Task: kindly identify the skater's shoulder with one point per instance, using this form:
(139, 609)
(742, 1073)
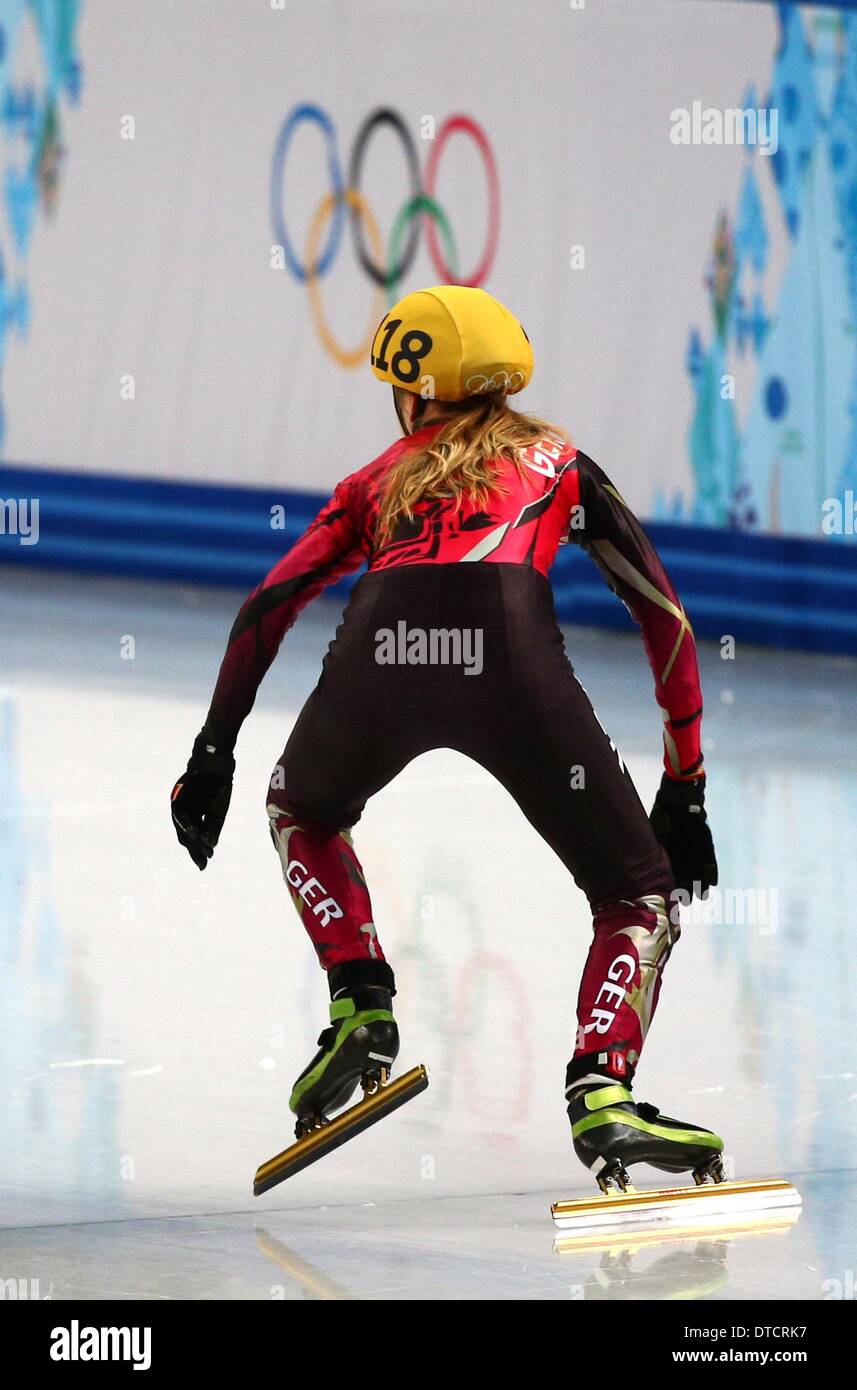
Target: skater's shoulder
(586, 468)
(581, 460)
(364, 477)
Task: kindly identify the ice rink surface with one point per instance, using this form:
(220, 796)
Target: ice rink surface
(153, 1018)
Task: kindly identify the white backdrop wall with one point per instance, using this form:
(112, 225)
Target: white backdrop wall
(157, 261)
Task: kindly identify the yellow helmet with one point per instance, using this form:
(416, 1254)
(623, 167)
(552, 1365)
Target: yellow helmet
(449, 342)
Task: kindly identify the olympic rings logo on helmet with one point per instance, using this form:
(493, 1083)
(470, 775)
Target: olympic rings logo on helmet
(508, 382)
(344, 202)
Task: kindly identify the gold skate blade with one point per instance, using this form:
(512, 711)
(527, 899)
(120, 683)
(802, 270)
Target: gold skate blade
(690, 1204)
(720, 1226)
(350, 1123)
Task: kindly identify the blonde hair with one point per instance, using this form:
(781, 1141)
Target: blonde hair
(463, 461)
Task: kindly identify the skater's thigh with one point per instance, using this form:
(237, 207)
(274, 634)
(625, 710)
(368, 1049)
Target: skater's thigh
(571, 783)
(343, 749)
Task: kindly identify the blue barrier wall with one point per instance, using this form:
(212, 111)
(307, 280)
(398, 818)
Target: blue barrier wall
(791, 593)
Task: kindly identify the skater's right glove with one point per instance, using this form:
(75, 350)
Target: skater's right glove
(200, 800)
(681, 825)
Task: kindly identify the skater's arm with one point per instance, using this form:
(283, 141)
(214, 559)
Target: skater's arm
(328, 549)
(631, 565)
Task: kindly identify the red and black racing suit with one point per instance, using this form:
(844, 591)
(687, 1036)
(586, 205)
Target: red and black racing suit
(461, 601)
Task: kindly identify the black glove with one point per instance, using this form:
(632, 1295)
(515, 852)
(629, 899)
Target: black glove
(200, 800)
(681, 825)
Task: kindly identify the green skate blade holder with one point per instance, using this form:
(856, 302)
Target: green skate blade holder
(320, 1142)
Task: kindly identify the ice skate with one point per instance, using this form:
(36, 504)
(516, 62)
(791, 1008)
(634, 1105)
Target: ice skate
(358, 1049)
(611, 1132)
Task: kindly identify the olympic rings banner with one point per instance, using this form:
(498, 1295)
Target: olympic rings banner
(385, 267)
(245, 187)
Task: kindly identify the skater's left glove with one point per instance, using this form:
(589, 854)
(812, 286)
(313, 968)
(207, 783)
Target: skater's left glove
(681, 825)
(200, 800)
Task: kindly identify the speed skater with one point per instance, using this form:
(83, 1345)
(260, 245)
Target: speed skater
(458, 523)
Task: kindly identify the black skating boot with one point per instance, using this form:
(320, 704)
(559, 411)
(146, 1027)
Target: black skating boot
(611, 1131)
(359, 1047)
